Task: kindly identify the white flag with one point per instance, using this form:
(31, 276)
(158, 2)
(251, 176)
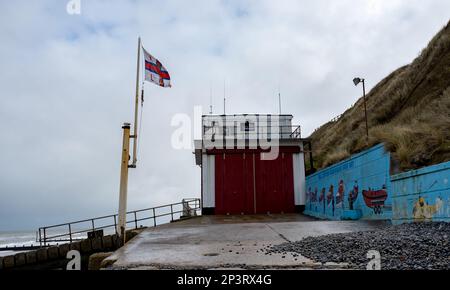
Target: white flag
(155, 72)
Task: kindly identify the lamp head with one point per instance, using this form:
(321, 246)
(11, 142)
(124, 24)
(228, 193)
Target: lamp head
(356, 81)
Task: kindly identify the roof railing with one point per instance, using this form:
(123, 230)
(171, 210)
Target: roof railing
(251, 132)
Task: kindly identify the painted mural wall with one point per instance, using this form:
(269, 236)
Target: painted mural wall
(361, 182)
(422, 195)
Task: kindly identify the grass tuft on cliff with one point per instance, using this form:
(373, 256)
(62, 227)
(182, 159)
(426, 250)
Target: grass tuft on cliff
(409, 111)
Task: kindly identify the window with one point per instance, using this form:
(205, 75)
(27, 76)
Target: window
(247, 127)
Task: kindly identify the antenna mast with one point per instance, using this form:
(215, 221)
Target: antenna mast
(279, 99)
(210, 100)
(224, 98)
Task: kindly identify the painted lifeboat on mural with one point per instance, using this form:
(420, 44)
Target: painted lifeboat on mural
(375, 198)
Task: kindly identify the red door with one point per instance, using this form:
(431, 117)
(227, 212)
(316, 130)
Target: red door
(234, 184)
(274, 185)
(245, 184)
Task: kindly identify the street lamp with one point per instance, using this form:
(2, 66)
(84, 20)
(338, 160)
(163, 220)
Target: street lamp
(356, 81)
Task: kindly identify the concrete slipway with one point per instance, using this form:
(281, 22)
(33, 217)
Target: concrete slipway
(227, 242)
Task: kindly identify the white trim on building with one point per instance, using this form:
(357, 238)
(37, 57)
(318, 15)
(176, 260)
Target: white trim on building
(208, 179)
(299, 178)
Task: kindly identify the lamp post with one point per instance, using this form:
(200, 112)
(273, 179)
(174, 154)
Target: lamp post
(356, 81)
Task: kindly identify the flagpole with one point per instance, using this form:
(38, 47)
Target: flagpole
(123, 188)
(136, 105)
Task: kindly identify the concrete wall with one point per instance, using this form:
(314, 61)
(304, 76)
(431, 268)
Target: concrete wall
(367, 173)
(54, 257)
(422, 195)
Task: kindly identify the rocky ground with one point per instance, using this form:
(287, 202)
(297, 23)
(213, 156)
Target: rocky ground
(404, 247)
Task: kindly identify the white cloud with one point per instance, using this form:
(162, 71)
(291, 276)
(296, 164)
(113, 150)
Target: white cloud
(67, 84)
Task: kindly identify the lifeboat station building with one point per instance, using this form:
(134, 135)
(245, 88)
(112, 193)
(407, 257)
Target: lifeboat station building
(251, 164)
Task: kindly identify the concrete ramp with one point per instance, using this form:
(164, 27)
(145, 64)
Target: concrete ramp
(227, 242)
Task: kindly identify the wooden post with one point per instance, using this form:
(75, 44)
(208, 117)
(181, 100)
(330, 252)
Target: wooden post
(121, 226)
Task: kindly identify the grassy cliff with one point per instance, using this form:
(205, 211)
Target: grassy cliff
(409, 111)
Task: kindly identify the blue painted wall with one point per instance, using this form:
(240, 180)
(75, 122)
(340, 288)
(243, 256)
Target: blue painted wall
(367, 173)
(422, 195)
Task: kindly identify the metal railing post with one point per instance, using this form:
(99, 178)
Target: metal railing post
(115, 224)
(171, 211)
(40, 238)
(154, 217)
(45, 238)
(93, 226)
(185, 204)
(135, 221)
(70, 233)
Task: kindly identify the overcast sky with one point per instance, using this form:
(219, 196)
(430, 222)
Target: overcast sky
(67, 85)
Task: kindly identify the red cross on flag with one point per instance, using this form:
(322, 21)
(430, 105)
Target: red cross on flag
(155, 72)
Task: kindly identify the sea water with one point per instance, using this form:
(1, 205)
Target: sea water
(16, 238)
(24, 238)
(29, 238)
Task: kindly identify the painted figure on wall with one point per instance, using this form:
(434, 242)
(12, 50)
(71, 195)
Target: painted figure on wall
(308, 198)
(311, 195)
(330, 198)
(330, 195)
(375, 199)
(322, 198)
(340, 194)
(422, 211)
(322, 195)
(353, 195)
(332, 206)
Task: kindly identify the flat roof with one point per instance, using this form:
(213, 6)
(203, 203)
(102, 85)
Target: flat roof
(249, 114)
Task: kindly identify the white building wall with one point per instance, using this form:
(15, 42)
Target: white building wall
(208, 179)
(299, 178)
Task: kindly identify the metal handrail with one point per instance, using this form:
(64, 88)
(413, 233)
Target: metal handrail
(190, 206)
(296, 134)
